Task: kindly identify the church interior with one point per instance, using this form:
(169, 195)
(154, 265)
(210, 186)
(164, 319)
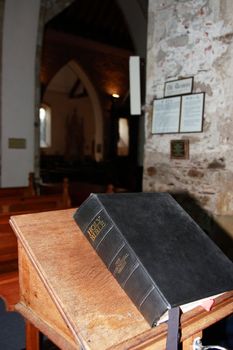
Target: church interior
(69, 128)
(73, 74)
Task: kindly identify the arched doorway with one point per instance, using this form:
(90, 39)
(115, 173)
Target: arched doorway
(108, 69)
(76, 115)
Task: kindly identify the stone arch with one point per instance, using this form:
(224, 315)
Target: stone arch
(97, 109)
(47, 12)
(74, 66)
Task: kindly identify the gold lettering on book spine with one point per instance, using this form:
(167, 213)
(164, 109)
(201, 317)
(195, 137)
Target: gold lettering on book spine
(120, 264)
(96, 227)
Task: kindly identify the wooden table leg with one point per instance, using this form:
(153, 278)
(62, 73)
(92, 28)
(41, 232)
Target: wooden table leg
(32, 337)
(188, 343)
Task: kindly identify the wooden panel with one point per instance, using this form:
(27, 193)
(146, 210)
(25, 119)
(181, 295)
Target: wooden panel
(45, 328)
(19, 205)
(66, 271)
(9, 289)
(192, 324)
(33, 204)
(188, 343)
(35, 297)
(32, 337)
(8, 241)
(96, 309)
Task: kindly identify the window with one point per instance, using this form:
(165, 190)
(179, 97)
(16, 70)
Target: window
(123, 141)
(45, 126)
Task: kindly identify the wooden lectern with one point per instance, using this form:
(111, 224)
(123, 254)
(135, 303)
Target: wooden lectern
(67, 293)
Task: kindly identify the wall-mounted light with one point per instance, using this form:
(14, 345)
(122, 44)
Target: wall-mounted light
(115, 95)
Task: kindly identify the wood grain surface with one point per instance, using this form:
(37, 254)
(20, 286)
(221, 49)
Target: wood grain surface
(68, 293)
(95, 308)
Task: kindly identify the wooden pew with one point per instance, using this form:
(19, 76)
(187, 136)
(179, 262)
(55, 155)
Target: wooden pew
(9, 289)
(8, 242)
(9, 283)
(19, 192)
(36, 203)
(16, 206)
(79, 191)
(8, 246)
(40, 203)
(47, 188)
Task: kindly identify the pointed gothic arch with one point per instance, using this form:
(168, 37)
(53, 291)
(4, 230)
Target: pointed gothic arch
(97, 109)
(47, 12)
(72, 81)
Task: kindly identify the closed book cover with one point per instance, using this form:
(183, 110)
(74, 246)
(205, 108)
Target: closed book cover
(155, 250)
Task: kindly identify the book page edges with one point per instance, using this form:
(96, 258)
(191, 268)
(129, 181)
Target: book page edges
(188, 307)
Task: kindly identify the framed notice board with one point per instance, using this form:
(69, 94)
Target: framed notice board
(178, 114)
(166, 115)
(192, 109)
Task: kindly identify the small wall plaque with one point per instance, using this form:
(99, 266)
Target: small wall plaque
(16, 143)
(179, 149)
(178, 87)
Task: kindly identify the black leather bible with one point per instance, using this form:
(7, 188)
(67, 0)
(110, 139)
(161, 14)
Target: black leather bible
(155, 250)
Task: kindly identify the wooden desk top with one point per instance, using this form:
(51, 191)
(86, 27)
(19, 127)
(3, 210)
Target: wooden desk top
(93, 305)
(96, 310)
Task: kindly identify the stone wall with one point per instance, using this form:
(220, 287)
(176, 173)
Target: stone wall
(193, 38)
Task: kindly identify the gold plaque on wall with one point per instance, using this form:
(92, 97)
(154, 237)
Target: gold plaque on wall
(179, 149)
(17, 143)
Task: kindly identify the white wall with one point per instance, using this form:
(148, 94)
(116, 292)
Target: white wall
(18, 89)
